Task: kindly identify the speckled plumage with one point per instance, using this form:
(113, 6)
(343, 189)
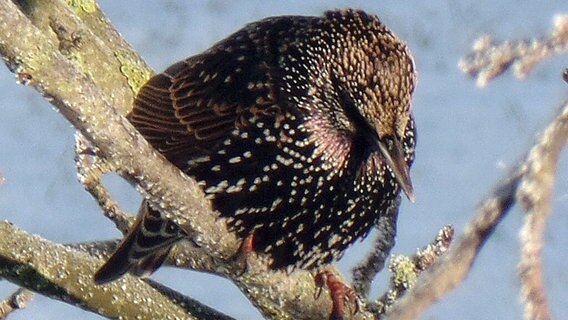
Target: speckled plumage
(298, 129)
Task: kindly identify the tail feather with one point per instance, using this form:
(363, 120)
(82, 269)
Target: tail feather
(143, 249)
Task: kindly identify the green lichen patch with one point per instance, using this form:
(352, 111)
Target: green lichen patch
(404, 273)
(80, 6)
(134, 71)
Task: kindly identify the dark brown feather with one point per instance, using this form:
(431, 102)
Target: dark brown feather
(188, 109)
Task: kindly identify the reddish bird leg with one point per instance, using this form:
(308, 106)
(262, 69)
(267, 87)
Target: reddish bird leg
(340, 293)
(245, 250)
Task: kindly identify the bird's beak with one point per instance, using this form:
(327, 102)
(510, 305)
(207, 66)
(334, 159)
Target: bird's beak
(394, 157)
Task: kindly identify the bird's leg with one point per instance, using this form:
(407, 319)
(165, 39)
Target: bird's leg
(340, 293)
(244, 252)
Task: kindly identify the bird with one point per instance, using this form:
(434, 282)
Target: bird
(298, 129)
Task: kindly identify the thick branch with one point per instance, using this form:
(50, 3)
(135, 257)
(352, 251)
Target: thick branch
(64, 273)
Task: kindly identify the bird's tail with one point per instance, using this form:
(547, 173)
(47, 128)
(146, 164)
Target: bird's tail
(143, 249)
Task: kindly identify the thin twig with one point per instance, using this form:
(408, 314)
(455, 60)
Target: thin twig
(364, 273)
(90, 170)
(405, 270)
(17, 300)
(490, 59)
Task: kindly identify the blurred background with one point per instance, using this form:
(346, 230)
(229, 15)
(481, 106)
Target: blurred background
(468, 138)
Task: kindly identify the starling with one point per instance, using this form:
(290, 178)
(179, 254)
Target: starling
(298, 129)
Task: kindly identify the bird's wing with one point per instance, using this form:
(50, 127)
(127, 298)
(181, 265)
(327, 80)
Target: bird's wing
(196, 103)
(184, 112)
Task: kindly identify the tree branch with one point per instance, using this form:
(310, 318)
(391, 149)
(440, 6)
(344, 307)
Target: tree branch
(65, 274)
(535, 194)
(405, 270)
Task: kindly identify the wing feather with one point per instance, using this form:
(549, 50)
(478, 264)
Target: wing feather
(196, 103)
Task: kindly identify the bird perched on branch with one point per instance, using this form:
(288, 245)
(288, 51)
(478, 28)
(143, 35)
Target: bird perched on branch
(298, 129)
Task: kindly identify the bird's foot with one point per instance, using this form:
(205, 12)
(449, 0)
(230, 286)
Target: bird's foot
(244, 252)
(340, 294)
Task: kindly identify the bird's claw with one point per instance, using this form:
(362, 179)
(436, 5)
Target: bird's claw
(340, 293)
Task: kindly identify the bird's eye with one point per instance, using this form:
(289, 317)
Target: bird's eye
(171, 227)
(389, 141)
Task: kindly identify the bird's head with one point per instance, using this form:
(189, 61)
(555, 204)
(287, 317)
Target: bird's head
(375, 77)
